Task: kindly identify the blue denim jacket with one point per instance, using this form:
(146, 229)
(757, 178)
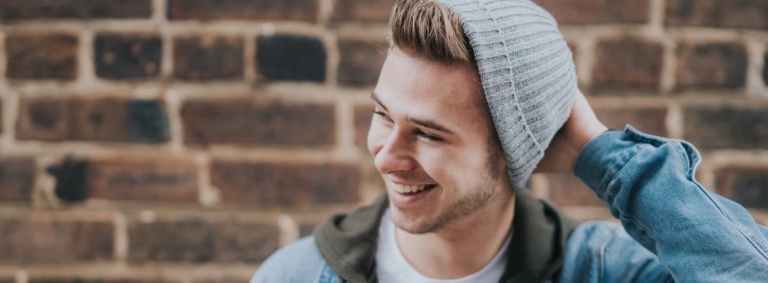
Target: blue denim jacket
(672, 229)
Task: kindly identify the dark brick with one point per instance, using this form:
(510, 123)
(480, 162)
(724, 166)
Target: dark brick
(258, 123)
(581, 12)
(361, 62)
(286, 184)
(17, 178)
(765, 69)
(363, 117)
(628, 62)
(651, 120)
(715, 13)
(291, 58)
(710, 65)
(727, 127)
(75, 9)
(127, 57)
(362, 10)
(745, 185)
(208, 57)
(71, 177)
(300, 10)
(197, 240)
(567, 190)
(44, 240)
(143, 180)
(41, 56)
(98, 119)
(148, 122)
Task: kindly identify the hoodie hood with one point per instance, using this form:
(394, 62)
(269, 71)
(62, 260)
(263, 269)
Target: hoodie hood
(348, 242)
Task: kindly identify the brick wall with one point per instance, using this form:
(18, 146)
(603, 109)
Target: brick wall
(184, 141)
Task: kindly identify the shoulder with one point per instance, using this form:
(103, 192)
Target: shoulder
(604, 251)
(298, 262)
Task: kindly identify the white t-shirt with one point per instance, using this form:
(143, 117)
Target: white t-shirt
(391, 266)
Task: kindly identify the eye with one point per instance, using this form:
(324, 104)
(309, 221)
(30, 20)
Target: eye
(382, 115)
(428, 136)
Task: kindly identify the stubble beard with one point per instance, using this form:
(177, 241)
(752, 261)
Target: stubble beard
(485, 191)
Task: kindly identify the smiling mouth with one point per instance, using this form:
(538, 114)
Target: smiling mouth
(414, 189)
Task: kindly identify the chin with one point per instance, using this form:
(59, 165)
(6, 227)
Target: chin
(413, 223)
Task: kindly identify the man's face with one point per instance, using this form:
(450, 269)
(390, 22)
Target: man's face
(430, 141)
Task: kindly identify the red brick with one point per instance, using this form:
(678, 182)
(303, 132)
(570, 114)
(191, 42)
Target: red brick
(17, 178)
(362, 10)
(127, 56)
(75, 9)
(300, 10)
(361, 62)
(28, 240)
(248, 122)
(208, 57)
(567, 190)
(91, 119)
(197, 240)
(143, 180)
(363, 117)
(36, 56)
(715, 13)
(713, 127)
(580, 12)
(284, 184)
(708, 65)
(628, 62)
(651, 120)
(47, 279)
(745, 185)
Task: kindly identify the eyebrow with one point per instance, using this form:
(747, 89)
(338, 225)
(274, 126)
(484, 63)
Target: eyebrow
(422, 122)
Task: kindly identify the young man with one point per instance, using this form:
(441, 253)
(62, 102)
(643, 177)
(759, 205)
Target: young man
(473, 97)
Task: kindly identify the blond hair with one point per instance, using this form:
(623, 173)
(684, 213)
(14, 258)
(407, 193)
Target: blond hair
(426, 29)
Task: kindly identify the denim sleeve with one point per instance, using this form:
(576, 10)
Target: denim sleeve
(648, 184)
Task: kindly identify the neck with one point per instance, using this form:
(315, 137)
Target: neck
(465, 247)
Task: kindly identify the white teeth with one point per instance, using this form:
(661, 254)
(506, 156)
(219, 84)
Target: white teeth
(405, 189)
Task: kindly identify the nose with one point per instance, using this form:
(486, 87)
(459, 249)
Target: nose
(396, 154)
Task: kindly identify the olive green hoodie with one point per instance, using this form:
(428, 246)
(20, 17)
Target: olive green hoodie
(348, 242)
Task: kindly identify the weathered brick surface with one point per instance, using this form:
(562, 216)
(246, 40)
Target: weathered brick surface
(291, 58)
(258, 123)
(41, 56)
(745, 185)
(29, 240)
(74, 9)
(651, 120)
(196, 240)
(362, 10)
(208, 57)
(301, 10)
(727, 127)
(143, 179)
(363, 118)
(579, 12)
(567, 190)
(714, 13)
(628, 62)
(126, 57)
(285, 184)
(361, 62)
(711, 65)
(17, 178)
(82, 119)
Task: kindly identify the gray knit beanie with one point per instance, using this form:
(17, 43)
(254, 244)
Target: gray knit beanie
(527, 73)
